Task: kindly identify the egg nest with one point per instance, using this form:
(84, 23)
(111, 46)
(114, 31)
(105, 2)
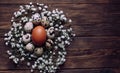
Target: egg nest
(47, 56)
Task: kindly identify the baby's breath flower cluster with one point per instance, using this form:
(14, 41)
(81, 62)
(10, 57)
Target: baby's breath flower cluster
(49, 56)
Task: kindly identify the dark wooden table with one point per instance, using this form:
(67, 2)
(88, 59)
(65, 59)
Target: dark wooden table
(96, 48)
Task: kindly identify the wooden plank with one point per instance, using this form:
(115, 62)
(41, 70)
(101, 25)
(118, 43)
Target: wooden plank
(114, 1)
(99, 29)
(85, 52)
(79, 13)
(84, 45)
(52, 1)
(96, 47)
(102, 70)
(88, 19)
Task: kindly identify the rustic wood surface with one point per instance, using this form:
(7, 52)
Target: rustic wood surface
(96, 23)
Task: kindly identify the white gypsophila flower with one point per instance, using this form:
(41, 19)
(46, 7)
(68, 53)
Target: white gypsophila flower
(51, 24)
(9, 53)
(22, 10)
(26, 12)
(39, 8)
(41, 4)
(24, 19)
(44, 9)
(32, 70)
(74, 35)
(70, 20)
(21, 7)
(18, 13)
(28, 63)
(30, 3)
(22, 59)
(45, 6)
(5, 34)
(33, 9)
(12, 20)
(30, 20)
(5, 39)
(18, 45)
(16, 24)
(12, 57)
(27, 6)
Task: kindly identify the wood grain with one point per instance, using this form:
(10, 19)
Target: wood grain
(95, 48)
(52, 1)
(88, 19)
(102, 70)
(86, 55)
(80, 13)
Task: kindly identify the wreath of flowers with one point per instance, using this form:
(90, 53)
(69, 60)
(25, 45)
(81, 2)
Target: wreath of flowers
(47, 57)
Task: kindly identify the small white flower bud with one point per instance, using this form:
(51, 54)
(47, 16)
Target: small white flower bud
(28, 63)
(70, 20)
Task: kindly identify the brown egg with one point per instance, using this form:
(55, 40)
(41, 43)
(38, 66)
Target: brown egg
(39, 35)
